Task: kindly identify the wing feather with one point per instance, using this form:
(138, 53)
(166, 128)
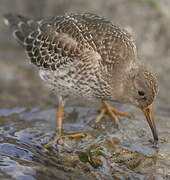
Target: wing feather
(58, 41)
(50, 49)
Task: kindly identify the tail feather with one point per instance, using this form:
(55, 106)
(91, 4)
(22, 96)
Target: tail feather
(21, 26)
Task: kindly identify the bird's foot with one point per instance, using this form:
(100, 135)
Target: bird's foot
(107, 109)
(61, 139)
(52, 142)
(59, 133)
(78, 135)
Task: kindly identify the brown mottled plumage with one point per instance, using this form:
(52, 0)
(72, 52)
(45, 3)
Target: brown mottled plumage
(86, 56)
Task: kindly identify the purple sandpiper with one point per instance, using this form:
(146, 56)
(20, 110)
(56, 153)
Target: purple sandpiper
(86, 56)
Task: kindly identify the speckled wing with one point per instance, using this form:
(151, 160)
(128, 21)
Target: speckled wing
(114, 44)
(57, 41)
(50, 49)
(64, 38)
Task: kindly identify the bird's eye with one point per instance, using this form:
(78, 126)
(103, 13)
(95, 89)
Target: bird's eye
(141, 93)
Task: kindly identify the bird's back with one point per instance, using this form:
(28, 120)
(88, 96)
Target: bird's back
(71, 37)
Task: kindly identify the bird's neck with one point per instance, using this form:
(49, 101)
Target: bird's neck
(121, 85)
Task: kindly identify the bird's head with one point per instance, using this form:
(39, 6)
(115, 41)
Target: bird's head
(143, 87)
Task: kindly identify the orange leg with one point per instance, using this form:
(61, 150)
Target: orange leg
(107, 109)
(60, 116)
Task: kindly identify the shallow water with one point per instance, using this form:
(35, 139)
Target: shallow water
(28, 121)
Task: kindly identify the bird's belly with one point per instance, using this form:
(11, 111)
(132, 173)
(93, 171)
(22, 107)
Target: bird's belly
(68, 86)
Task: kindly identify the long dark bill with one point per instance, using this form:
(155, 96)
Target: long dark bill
(148, 112)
